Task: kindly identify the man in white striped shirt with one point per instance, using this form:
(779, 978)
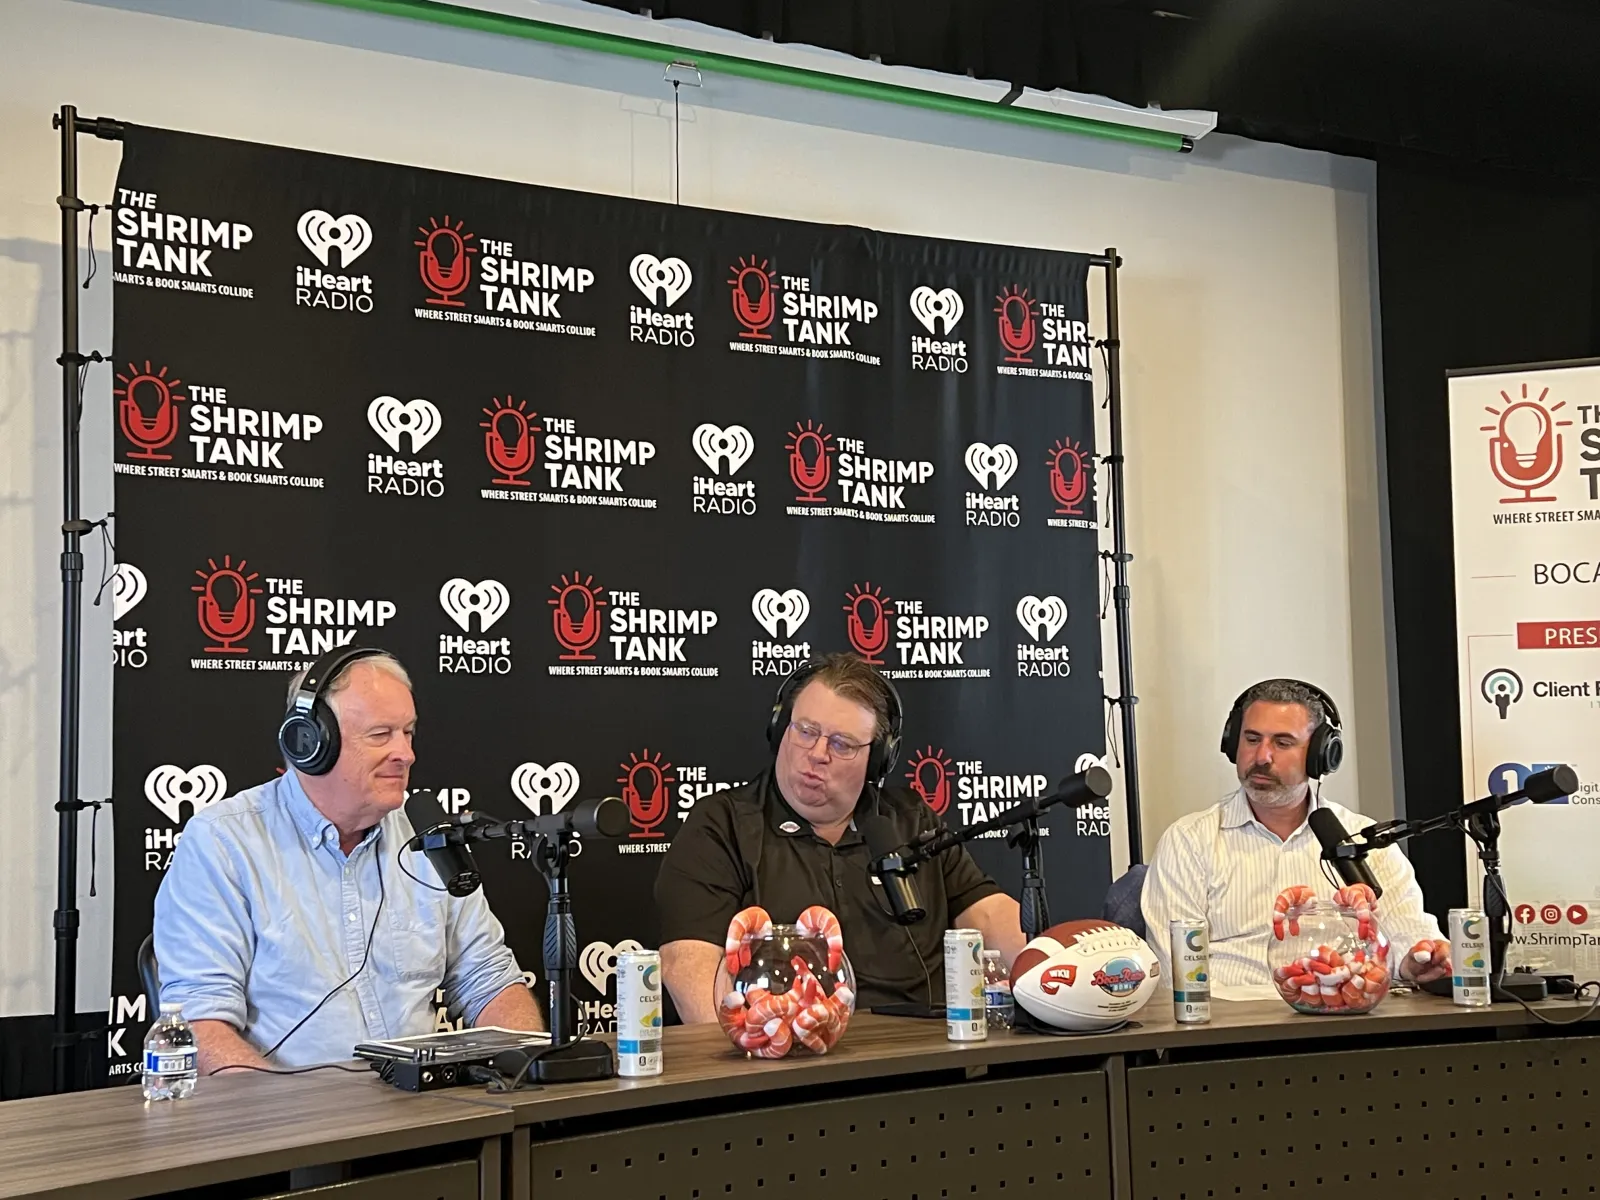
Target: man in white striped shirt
(1229, 862)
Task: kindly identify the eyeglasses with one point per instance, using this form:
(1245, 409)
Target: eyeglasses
(806, 735)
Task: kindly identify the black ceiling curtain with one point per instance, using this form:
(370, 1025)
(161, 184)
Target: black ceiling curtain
(1499, 82)
(1476, 268)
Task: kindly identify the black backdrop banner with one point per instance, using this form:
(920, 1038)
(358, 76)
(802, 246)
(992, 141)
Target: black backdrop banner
(601, 472)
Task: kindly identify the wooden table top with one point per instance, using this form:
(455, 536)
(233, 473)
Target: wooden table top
(701, 1065)
(109, 1144)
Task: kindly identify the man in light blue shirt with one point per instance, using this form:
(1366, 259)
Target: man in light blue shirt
(285, 925)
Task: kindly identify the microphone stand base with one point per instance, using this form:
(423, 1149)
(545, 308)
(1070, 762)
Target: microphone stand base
(577, 1061)
(1527, 986)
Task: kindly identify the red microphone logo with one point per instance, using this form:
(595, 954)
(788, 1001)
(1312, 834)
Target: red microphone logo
(929, 776)
(1069, 477)
(647, 782)
(445, 262)
(226, 607)
(509, 443)
(1525, 449)
(147, 410)
(752, 298)
(1019, 327)
(866, 621)
(810, 460)
(577, 603)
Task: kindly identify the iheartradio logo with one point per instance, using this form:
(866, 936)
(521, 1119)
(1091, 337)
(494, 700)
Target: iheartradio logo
(461, 598)
(392, 419)
(544, 790)
(128, 587)
(715, 445)
(777, 611)
(931, 307)
(992, 466)
(1042, 617)
(668, 278)
(169, 788)
(322, 233)
(598, 962)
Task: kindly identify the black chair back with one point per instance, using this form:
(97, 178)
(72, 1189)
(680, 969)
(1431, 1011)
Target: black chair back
(150, 974)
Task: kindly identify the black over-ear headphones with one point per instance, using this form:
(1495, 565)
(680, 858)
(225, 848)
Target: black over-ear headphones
(1325, 750)
(885, 752)
(308, 735)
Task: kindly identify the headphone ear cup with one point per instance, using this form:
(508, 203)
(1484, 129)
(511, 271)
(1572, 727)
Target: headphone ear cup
(890, 758)
(309, 742)
(1332, 750)
(1230, 735)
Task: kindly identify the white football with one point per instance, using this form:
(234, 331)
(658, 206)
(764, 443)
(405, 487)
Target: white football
(1085, 975)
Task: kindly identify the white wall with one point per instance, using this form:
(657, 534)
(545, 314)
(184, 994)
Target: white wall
(1248, 311)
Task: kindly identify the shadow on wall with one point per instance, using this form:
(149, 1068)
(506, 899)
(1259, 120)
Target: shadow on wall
(30, 624)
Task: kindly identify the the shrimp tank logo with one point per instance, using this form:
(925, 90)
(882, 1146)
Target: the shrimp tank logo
(1119, 977)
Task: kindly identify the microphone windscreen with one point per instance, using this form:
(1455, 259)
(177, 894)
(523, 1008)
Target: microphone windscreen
(606, 817)
(1330, 832)
(881, 838)
(1552, 784)
(1098, 781)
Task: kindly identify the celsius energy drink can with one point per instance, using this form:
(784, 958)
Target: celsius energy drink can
(639, 1012)
(1191, 970)
(964, 1018)
(1469, 957)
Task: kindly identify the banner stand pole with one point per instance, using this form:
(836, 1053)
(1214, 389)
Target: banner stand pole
(68, 805)
(1120, 558)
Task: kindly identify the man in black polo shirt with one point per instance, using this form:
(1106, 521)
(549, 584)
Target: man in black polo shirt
(788, 840)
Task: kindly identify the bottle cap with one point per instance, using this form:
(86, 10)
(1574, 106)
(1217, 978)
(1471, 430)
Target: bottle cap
(171, 1006)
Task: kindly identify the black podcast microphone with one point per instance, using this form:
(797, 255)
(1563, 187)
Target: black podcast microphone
(606, 817)
(1351, 869)
(1545, 786)
(899, 883)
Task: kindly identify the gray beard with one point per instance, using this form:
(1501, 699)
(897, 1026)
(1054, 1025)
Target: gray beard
(1274, 796)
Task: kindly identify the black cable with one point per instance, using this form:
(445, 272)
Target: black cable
(400, 862)
(677, 167)
(1499, 886)
(377, 860)
(108, 555)
(94, 259)
(927, 979)
(286, 1070)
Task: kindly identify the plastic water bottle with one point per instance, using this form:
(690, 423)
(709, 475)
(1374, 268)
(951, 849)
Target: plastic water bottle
(997, 1001)
(171, 1062)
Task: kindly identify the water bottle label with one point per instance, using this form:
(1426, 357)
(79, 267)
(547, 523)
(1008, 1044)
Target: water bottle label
(171, 1062)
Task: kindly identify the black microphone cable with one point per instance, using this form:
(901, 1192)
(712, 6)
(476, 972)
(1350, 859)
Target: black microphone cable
(377, 861)
(883, 907)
